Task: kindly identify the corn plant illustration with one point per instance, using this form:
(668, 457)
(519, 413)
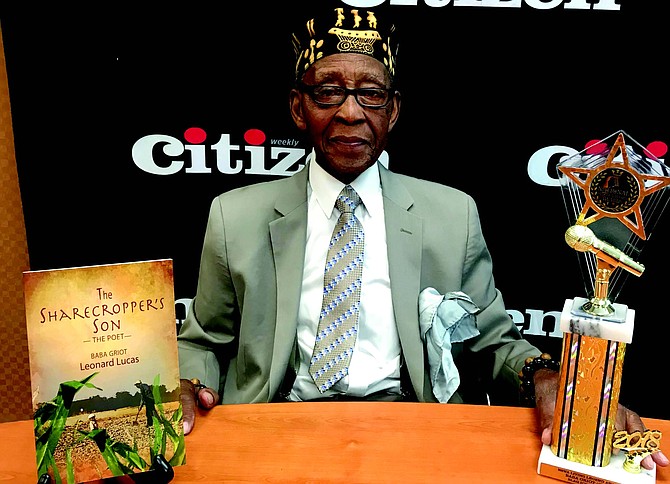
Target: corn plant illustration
(121, 458)
(164, 428)
(49, 422)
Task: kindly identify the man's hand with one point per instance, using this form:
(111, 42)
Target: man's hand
(546, 389)
(193, 396)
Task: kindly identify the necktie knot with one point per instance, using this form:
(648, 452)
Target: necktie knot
(348, 200)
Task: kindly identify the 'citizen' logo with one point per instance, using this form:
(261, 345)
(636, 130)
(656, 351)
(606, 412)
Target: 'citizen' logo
(161, 154)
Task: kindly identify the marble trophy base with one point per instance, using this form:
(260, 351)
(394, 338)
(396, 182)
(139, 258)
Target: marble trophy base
(550, 465)
(616, 327)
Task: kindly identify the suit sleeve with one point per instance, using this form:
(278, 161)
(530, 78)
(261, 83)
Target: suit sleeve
(209, 331)
(500, 344)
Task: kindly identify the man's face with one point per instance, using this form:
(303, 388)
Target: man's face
(347, 138)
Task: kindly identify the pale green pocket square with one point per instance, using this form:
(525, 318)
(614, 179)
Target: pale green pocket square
(445, 319)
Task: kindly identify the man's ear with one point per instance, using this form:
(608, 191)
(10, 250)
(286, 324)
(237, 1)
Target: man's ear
(295, 105)
(395, 106)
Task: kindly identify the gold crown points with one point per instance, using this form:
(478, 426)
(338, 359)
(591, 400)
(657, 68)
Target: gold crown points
(389, 61)
(356, 18)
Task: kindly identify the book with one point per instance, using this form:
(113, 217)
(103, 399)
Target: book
(104, 369)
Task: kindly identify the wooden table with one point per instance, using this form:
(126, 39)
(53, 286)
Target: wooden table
(381, 442)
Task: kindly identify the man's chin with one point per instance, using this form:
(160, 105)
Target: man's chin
(350, 167)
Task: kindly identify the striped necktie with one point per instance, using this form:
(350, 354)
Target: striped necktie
(338, 320)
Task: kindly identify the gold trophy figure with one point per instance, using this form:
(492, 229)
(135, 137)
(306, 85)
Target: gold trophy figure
(582, 239)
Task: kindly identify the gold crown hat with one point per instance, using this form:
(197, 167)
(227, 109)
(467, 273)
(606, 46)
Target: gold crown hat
(345, 30)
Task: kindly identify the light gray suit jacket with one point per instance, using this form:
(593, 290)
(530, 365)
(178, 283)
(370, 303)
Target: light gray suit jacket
(240, 331)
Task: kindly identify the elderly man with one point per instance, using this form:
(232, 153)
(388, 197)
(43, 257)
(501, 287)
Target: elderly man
(270, 323)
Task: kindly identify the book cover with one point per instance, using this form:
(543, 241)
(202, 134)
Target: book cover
(104, 369)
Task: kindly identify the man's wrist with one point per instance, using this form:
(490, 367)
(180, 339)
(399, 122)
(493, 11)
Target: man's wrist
(527, 375)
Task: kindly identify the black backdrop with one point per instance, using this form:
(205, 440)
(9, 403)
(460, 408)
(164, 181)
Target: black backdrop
(486, 89)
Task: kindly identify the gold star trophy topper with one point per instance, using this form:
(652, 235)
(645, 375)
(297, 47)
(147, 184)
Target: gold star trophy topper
(615, 189)
(614, 196)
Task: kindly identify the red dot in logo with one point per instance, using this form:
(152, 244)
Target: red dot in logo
(195, 135)
(657, 149)
(254, 137)
(594, 147)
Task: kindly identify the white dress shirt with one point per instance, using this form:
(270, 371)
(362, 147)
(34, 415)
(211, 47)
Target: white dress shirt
(375, 364)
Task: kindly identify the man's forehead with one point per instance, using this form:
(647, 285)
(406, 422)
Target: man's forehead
(352, 66)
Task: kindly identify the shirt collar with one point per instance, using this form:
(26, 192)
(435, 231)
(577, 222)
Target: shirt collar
(326, 188)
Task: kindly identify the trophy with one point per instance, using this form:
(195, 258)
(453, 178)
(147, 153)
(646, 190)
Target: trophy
(614, 193)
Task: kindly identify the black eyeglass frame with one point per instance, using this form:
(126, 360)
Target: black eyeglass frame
(309, 89)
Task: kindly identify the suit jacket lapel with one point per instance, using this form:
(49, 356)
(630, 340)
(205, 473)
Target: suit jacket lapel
(404, 241)
(288, 233)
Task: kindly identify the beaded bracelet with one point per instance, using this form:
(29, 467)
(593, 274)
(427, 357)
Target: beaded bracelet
(527, 373)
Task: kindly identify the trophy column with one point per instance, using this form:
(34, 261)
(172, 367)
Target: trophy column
(592, 359)
(586, 407)
(595, 334)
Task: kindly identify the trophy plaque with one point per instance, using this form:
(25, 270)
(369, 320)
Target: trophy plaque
(614, 193)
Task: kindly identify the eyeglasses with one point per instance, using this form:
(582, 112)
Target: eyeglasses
(328, 96)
